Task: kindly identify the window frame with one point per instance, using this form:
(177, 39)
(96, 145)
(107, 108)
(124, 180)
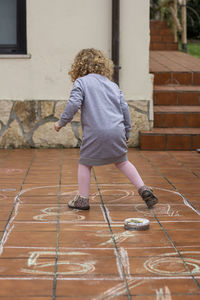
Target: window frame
(21, 46)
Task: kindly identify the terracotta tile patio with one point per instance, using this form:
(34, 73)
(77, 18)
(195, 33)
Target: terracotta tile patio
(48, 251)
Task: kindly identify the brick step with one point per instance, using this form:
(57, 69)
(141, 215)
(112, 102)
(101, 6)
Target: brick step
(176, 95)
(161, 31)
(176, 77)
(177, 116)
(162, 46)
(170, 139)
(158, 24)
(162, 38)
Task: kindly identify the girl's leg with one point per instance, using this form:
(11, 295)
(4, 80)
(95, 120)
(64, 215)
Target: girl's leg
(84, 173)
(145, 192)
(128, 169)
(81, 201)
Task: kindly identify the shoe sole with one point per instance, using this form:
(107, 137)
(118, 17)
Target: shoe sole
(81, 208)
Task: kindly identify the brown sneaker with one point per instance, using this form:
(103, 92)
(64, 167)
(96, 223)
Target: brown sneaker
(79, 202)
(148, 196)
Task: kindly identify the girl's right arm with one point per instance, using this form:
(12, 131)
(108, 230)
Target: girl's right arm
(73, 105)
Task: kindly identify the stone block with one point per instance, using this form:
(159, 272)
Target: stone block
(139, 120)
(59, 108)
(46, 136)
(27, 113)
(13, 137)
(47, 108)
(5, 110)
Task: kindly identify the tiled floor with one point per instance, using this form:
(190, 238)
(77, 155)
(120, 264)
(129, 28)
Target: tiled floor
(173, 61)
(51, 252)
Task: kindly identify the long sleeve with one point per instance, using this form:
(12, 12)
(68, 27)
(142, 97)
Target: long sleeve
(126, 114)
(73, 105)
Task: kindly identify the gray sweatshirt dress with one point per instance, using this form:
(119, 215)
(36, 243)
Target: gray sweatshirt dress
(105, 119)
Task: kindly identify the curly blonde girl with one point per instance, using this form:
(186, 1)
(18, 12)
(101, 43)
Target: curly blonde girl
(91, 61)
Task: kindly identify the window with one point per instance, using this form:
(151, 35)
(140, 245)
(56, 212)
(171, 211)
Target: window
(12, 26)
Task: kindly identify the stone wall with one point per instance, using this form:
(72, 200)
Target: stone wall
(25, 124)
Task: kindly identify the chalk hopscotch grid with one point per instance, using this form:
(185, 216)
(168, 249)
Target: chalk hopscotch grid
(100, 223)
(132, 281)
(58, 229)
(187, 203)
(107, 213)
(119, 262)
(14, 211)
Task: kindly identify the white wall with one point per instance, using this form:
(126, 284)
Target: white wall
(57, 30)
(135, 80)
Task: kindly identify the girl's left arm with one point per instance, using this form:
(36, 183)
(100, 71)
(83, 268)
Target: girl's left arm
(126, 114)
(73, 105)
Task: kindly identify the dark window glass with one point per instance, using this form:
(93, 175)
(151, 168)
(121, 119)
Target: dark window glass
(12, 26)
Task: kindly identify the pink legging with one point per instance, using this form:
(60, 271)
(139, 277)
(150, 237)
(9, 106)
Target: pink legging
(127, 168)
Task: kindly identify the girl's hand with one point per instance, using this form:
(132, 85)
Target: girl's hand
(57, 127)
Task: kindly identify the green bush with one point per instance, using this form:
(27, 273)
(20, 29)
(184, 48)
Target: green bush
(193, 19)
(159, 9)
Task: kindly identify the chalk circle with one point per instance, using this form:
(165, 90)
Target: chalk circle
(2, 197)
(136, 224)
(38, 266)
(113, 195)
(169, 264)
(159, 209)
(68, 268)
(50, 213)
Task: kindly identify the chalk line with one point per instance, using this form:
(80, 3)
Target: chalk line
(125, 261)
(106, 218)
(9, 227)
(163, 294)
(118, 263)
(97, 248)
(86, 278)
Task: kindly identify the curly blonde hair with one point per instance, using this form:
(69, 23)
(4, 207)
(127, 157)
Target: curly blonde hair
(91, 61)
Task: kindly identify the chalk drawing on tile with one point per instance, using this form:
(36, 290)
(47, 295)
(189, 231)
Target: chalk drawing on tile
(106, 213)
(50, 213)
(9, 227)
(160, 209)
(116, 192)
(71, 193)
(37, 266)
(119, 237)
(8, 190)
(170, 264)
(119, 289)
(10, 171)
(163, 294)
(125, 261)
(185, 201)
(3, 197)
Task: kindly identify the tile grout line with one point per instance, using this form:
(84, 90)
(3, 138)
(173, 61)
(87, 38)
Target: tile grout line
(16, 201)
(183, 165)
(113, 238)
(159, 172)
(164, 230)
(185, 200)
(58, 230)
(175, 248)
